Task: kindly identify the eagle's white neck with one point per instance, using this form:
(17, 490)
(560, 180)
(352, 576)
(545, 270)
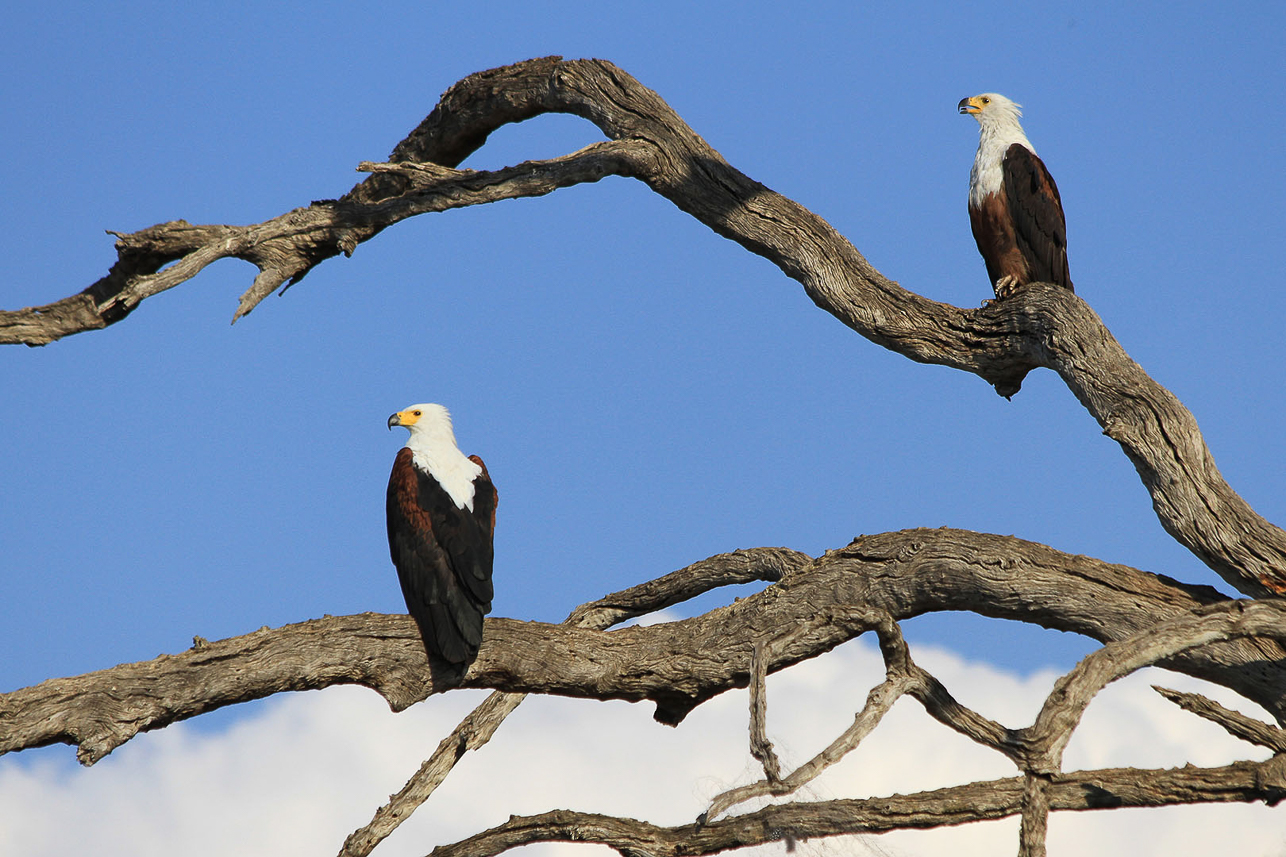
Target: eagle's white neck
(999, 132)
(433, 449)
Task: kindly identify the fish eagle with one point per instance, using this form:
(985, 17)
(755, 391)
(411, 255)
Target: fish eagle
(1014, 207)
(441, 520)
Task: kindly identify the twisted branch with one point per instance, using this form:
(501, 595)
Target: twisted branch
(866, 586)
(903, 574)
(1038, 327)
(1036, 750)
(983, 801)
(480, 724)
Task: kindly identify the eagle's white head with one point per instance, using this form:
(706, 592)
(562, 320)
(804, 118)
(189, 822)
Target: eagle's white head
(998, 116)
(424, 420)
(990, 107)
(433, 449)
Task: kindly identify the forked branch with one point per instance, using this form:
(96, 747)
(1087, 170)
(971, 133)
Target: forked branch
(1241, 782)
(477, 728)
(903, 574)
(1036, 750)
(869, 585)
(1038, 327)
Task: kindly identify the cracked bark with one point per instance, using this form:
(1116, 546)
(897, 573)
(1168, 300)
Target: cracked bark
(1038, 327)
(906, 574)
(820, 603)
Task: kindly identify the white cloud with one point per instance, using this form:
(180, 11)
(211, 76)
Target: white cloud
(302, 771)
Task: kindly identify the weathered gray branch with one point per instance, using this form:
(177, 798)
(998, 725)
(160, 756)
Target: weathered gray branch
(1234, 722)
(903, 574)
(1036, 805)
(100, 711)
(473, 732)
(1082, 790)
(866, 586)
(760, 747)
(477, 728)
(1045, 739)
(1036, 750)
(1039, 327)
(900, 677)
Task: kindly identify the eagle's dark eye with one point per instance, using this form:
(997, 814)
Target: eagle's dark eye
(986, 101)
(419, 413)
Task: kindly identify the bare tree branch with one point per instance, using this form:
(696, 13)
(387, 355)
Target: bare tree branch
(903, 574)
(1084, 790)
(813, 605)
(1037, 750)
(760, 747)
(1039, 327)
(473, 732)
(1034, 829)
(480, 724)
(100, 711)
(899, 678)
(1235, 723)
(1048, 736)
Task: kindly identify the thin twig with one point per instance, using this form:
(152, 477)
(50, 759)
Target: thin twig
(878, 702)
(760, 746)
(480, 724)
(474, 731)
(1237, 724)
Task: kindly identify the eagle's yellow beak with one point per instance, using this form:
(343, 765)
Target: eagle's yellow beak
(970, 105)
(406, 418)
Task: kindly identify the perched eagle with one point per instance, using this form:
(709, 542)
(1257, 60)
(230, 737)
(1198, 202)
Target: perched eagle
(441, 519)
(1014, 207)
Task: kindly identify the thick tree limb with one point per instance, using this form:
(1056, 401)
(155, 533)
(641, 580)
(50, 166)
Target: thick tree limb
(1036, 750)
(480, 724)
(1038, 327)
(1034, 828)
(1083, 790)
(1045, 739)
(100, 711)
(903, 574)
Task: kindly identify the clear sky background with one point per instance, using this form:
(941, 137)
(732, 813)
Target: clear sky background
(645, 393)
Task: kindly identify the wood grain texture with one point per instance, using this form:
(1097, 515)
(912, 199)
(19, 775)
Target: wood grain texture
(1084, 790)
(1039, 326)
(812, 604)
(821, 603)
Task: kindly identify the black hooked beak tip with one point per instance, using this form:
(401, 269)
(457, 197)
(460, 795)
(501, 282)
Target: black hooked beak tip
(393, 421)
(963, 106)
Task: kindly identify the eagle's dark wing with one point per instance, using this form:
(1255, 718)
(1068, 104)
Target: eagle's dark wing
(1037, 211)
(443, 555)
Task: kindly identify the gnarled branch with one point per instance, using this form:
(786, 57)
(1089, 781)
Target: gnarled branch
(481, 723)
(1039, 327)
(866, 586)
(1083, 790)
(903, 574)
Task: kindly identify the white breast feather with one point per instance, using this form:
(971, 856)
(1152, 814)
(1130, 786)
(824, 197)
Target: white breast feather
(987, 174)
(437, 454)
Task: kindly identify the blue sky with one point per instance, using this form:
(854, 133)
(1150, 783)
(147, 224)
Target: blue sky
(645, 393)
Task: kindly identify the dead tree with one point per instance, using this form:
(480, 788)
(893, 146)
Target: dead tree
(811, 604)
